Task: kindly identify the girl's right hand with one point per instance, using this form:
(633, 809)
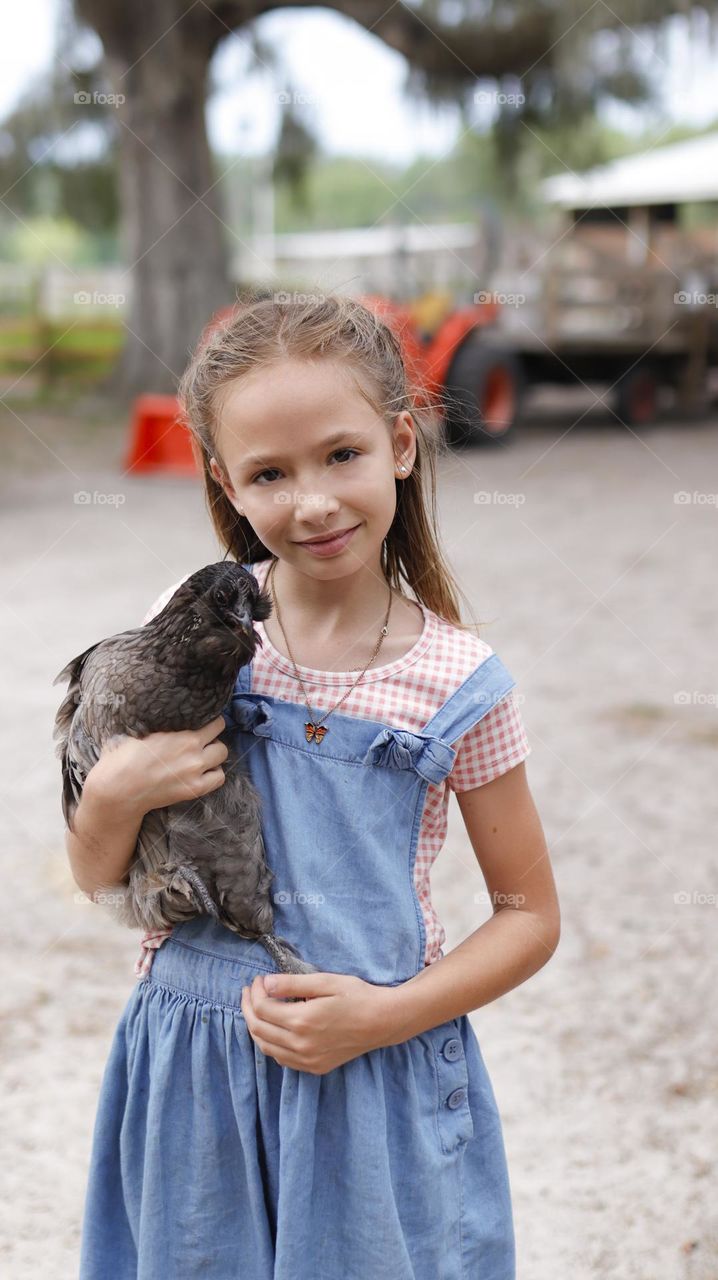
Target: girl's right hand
(140, 774)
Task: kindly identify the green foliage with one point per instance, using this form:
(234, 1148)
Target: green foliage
(58, 354)
(43, 176)
(345, 191)
(43, 240)
(340, 192)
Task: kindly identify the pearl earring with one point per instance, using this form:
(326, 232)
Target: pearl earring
(402, 468)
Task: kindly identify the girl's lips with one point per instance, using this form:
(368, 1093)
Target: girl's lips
(330, 547)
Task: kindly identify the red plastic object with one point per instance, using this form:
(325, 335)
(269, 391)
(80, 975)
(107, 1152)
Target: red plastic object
(158, 440)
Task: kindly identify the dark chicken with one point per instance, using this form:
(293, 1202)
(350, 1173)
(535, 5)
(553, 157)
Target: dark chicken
(199, 856)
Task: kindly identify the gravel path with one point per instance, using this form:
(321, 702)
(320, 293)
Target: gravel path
(597, 589)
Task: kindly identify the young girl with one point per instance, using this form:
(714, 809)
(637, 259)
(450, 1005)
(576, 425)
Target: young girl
(350, 1132)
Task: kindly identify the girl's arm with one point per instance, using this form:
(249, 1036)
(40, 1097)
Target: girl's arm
(102, 844)
(522, 934)
(132, 776)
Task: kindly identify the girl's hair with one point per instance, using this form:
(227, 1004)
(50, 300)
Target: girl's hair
(262, 330)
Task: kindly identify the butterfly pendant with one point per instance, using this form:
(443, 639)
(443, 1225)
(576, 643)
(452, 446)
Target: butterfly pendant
(314, 731)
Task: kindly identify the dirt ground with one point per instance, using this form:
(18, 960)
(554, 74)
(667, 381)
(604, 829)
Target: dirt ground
(597, 588)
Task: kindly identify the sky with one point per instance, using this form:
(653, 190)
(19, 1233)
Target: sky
(347, 80)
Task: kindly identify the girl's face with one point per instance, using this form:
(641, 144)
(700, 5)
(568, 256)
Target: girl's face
(305, 454)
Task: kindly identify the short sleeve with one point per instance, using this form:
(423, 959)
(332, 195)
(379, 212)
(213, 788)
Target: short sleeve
(161, 601)
(497, 743)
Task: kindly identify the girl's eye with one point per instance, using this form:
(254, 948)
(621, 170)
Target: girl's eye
(271, 469)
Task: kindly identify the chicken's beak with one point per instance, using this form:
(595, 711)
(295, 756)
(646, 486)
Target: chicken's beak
(241, 619)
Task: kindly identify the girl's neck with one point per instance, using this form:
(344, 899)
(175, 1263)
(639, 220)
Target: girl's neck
(335, 606)
(343, 641)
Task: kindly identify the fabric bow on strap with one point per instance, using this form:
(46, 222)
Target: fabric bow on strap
(430, 757)
(252, 716)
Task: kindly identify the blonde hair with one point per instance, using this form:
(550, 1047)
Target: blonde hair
(261, 330)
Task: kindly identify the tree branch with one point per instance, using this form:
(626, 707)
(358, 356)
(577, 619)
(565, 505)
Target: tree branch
(462, 52)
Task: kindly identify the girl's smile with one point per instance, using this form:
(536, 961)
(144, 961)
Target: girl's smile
(329, 546)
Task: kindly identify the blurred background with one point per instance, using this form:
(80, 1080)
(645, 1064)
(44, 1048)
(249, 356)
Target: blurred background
(528, 192)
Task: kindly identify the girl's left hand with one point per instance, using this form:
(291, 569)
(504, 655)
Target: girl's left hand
(343, 1017)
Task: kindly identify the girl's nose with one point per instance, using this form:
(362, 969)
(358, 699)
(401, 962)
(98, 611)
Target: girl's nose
(310, 505)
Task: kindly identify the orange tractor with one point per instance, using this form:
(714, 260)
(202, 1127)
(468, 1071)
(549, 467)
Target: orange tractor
(455, 355)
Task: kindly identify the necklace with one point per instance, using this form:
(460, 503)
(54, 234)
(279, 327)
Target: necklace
(316, 729)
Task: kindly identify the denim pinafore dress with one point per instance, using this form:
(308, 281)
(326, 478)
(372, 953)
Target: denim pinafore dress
(211, 1160)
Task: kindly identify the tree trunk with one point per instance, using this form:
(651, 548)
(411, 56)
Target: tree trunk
(173, 239)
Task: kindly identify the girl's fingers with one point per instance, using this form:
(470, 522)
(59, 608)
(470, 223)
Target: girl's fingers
(274, 1036)
(275, 1011)
(210, 731)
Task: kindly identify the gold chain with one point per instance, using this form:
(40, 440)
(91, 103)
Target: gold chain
(314, 729)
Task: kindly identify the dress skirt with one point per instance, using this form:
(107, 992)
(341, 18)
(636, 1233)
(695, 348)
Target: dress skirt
(211, 1160)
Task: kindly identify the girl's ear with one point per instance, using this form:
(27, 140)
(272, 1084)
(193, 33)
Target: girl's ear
(222, 480)
(405, 439)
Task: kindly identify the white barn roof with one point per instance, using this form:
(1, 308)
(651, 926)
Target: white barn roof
(661, 175)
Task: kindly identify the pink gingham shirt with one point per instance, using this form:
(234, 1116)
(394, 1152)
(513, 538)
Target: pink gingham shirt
(405, 693)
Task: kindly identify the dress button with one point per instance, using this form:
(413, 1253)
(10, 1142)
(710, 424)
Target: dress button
(456, 1098)
(452, 1050)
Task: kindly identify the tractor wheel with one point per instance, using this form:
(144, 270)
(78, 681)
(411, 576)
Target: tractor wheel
(482, 392)
(636, 400)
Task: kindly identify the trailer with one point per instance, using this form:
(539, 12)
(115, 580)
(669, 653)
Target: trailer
(625, 295)
(622, 295)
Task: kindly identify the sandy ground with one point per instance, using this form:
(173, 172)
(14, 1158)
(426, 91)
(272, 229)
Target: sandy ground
(598, 590)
